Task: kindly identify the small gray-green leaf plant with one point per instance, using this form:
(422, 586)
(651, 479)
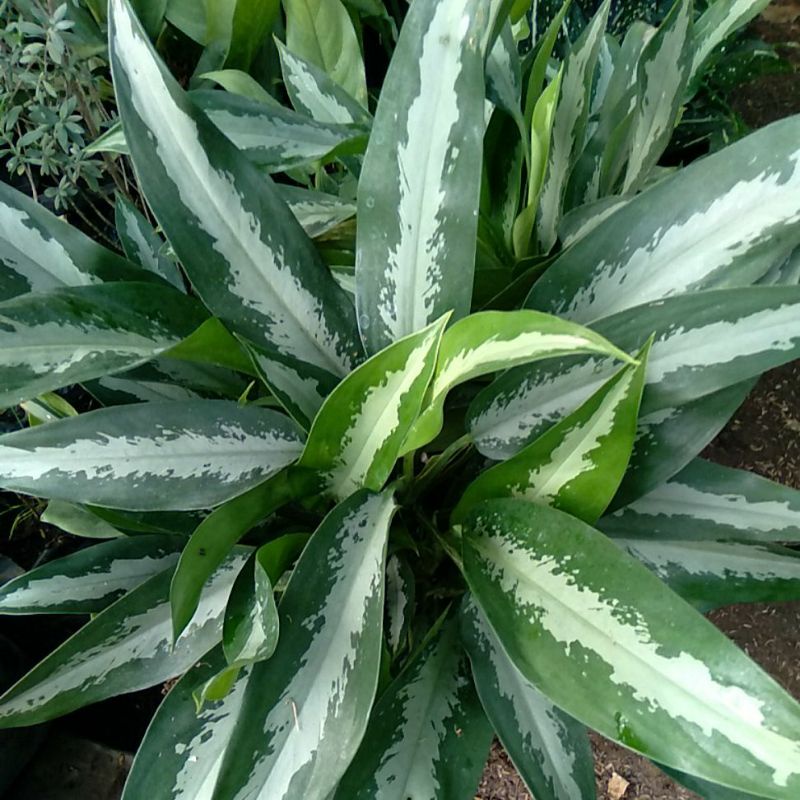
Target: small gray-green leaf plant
(401, 404)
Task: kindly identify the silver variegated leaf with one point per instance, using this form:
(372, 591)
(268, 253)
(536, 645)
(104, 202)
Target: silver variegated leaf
(419, 187)
(549, 749)
(153, 456)
(316, 212)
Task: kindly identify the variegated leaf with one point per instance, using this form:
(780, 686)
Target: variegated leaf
(357, 436)
(322, 32)
(704, 342)
(606, 641)
(400, 596)
(708, 501)
(141, 243)
(662, 73)
(78, 521)
(427, 736)
(710, 574)
(728, 232)
(504, 78)
(182, 750)
(89, 580)
(67, 335)
(576, 465)
(268, 283)
(153, 456)
(490, 341)
(419, 188)
(123, 649)
(39, 252)
(549, 749)
(276, 138)
(569, 125)
(305, 710)
(314, 93)
(317, 212)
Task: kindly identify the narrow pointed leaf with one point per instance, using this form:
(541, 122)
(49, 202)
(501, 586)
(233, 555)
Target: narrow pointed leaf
(420, 184)
(238, 82)
(39, 252)
(152, 456)
(609, 643)
(78, 521)
(314, 93)
(549, 749)
(74, 334)
(317, 212)
(727, 233)
(141, 244)
(357, 435)
(708, 501)
(250, 27)
(123, 649)
(400, 595)
(182, 749)
(267, 282)
(576, 465)
(427, 736)
(89, 580)
(305, 710)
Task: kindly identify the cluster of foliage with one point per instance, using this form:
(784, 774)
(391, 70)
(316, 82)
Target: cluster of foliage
(375, 492)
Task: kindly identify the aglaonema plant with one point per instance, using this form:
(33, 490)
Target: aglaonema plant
(366, 517)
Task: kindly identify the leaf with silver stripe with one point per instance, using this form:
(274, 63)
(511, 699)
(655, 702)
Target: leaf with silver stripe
(578, 464)
(317, 212)
(605, 640)
(267, 282)
(141, 243)
(420, 184)
(305, 710)
(86, 582)
(72, 334)
(715, 228)
(357, 436)
(153, 456)
(123, 649)
(400, 599)
(428, 736)
(549, 749)
(39, 251)
(314, 93)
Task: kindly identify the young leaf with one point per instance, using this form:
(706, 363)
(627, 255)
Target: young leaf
(268, 283)
(317, 212)
(305, 710)
(123, 649)
(609, 643)
(420, 183)
(356, 437)
(89, 580)
(250, 27)
(427, 736)
(549, 749)
(153, 456)
(576, 465)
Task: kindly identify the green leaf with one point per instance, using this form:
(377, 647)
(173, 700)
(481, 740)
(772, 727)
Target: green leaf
(189, 17)
(314, 93)
(662, 73)
(141, 244)
(252, 22)
(317, 212)
(420, 184)
(182, 749)
(578, 464)
(427, 736)
(111, 141)
(266, 282)
(489, 341)
(549, 749)
(322, 32)
(276, 138)
(154, 456)
(242, 84)
(218, 533)
(125, 648)
(400, 597)
(89, 580)
(715, 227)
(210, 344)
(150, 14)
(569, 125)
(78, 521)
(711, 574)
(49, 340)
(305, 710)
(356, 437)
(39, 252)
(504, 78)
(605, 640)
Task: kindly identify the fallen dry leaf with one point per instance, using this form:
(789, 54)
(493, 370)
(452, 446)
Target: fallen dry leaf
(617, 786)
